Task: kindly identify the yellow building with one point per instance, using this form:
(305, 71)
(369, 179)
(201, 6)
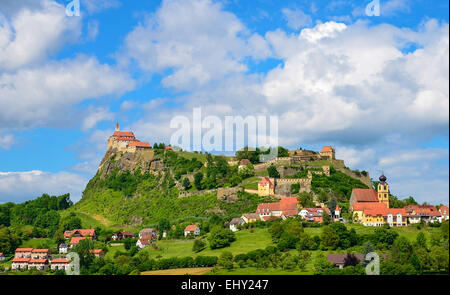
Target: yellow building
(266, 187)
(250, 217)
(383, 191)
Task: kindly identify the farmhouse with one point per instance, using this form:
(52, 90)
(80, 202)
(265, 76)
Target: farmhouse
(122, 235)
(425, 213)
(192, 229)
(313, 214)
(80, 233)
(286, 207)
(339, 259)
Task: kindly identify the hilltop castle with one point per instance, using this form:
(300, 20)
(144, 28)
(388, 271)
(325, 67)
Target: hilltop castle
(125, 141)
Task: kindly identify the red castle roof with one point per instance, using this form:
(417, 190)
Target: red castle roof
(265, 181)
(140, 144)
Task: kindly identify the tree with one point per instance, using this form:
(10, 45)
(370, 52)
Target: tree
(306, 200)
(421, 240)
(330, 238)
(83, 249)
(368, 248)
(273, 172)
(326, 218)
(226, 260)
(199, 245)
(220, 238)
(198, 177)
(332, 205)
(186, 183)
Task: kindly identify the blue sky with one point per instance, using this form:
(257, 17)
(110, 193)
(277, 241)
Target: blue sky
(374, 87)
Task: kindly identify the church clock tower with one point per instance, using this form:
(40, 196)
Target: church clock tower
(383, 191)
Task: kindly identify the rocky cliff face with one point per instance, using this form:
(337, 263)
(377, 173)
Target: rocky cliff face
(145, 160)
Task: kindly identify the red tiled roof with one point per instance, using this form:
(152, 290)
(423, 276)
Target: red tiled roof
(268, 207)
(123, 134)
(21, 260)
(60, 260)
(140, 144)
(24, 249)
(97, 251)
(444, 210)
(168, 147)
(365, 195)
(326, 148)
(83, 232)
(265, 181)
(368, 205)
(191, 227)
(385, 211)
(1, 253)
(76, 240)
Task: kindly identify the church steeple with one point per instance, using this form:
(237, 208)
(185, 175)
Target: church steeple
(117, 127)
(383, 190)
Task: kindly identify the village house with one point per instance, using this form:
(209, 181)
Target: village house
(2, 257)
(313, 214)
(39, 264)
(425, 213)
(266, 187)
(235, 222)
(391, 216)
(444, 212)
(339, 259)
(192, 229)
(122, 235)
(80, 233)
(146, 236)
(75, 240)
(286, 207)
(359, 207)
(250, 217)
(98, 253)
(60, 263)
(337, 212)
(40, 253)
(20, 263)
(63, 248)
(23, 253)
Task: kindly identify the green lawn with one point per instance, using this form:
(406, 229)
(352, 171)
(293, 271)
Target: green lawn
(260, 271)
(43, 243)
(245, 241)
(252, 185)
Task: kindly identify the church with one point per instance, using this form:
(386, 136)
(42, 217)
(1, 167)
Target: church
(125, 141)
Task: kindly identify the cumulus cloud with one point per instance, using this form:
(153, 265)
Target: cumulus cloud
(44, 96)
(96, 115)
(32, 35)
(199, 41)
(22, 186)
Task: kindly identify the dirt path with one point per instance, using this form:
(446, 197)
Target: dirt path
(179, 271)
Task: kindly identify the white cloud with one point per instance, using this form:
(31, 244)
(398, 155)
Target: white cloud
(6, 141)
(392, 7)
(45, 96)
(92, 30)
(296, 18)
(96, 115)
(22, 186)
(199, 41)
(33, 35)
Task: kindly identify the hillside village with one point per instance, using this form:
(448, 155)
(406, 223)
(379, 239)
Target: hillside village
(289, 186)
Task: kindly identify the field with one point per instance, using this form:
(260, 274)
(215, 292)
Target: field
(245, 241)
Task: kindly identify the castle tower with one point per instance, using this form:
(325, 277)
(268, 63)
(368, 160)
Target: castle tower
(117, 127)
(383, 190)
